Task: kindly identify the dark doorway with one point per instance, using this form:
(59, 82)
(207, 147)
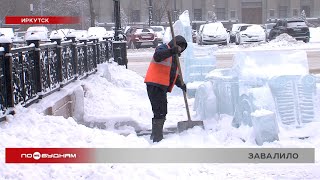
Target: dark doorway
(252, 15)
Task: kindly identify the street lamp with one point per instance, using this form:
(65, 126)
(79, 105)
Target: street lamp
(150, 12)
(175, 13)
(31, 9)
(41, 7)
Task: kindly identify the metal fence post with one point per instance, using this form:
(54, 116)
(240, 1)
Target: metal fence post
(59, 58)
(85, 54)
(9, 97)
(107, 48)
(33, 39)
(74, 54)
(95, 54)
(120, 52)
(98, 46)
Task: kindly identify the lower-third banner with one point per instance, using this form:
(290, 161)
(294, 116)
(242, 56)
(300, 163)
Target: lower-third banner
(164, 155)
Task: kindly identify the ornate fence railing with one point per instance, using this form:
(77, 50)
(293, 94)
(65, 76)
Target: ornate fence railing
(30, 73)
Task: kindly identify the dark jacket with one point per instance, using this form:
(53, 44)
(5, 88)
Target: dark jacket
(162, 52)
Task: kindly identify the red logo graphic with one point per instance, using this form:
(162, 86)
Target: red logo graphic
(49, 155)
(42, 20)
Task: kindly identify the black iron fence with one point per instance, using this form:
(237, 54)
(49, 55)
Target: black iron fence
(29, 73)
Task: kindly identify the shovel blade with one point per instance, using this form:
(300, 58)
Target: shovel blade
(184, 125)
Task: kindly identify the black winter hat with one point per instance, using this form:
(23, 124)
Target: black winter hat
(181, 41)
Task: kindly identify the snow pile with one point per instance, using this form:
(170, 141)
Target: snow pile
(118, 90)
(284, 40)
(314, 34)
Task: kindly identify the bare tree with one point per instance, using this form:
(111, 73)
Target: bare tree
(7, 8)
(63, 8)
(124, 18)
(160, 8)
(92, 14)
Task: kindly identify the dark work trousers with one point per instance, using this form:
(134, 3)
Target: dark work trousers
(158, 99)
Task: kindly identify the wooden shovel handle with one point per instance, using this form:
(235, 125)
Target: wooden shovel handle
(176, 58)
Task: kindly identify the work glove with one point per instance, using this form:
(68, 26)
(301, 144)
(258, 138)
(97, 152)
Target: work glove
(176, 50)
(184, 87)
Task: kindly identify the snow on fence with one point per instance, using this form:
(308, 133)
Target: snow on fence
(31, 72)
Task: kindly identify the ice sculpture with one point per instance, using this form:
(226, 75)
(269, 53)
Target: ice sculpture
(262, 89)
(205, 109)
(294, 97)
(253, 83)
(197, 62)
(265, 126)
(226, 89)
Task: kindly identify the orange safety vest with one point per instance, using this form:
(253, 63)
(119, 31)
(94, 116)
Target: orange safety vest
(159, 73)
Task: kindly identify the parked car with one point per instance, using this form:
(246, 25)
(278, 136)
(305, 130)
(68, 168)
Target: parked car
(268, 28)
(19, 37)
(294, 27)
(80, 34)
(234, 31)
(62, 32)
(213, 33)
(159, 30)
(198, 34)
(41, 31)
(99, 32)
(8, 32)
(250, 33)
(137, 37)
(194, 36)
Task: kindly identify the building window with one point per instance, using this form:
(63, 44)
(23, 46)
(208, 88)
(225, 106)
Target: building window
(232, 14)
(135, 16)
(295, 12)
(283, 11)
(271, 13)
(197, 16)
(221, 13)
(307, 10)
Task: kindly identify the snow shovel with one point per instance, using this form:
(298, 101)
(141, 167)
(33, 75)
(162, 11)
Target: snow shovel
(183, 125)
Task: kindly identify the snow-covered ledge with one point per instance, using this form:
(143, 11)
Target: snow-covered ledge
(68, 102)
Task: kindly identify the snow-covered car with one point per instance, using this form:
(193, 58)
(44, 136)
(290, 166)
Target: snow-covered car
(80, 34)
(41, 31)
(61, 32)
(234, 31)
(19, 37)
(109, 34)
(296, 28)
(98, 32)
(214, 33)
(250, 33)
(268, 28)
(198, 37)
(194, 35)
(8, 32)
(159, 30)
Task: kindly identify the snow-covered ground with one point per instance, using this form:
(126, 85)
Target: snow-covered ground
(115, 92)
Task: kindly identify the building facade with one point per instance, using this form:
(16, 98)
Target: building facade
(245, 11)
(242, 11)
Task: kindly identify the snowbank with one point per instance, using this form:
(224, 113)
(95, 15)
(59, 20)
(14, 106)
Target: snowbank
(314, 34)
